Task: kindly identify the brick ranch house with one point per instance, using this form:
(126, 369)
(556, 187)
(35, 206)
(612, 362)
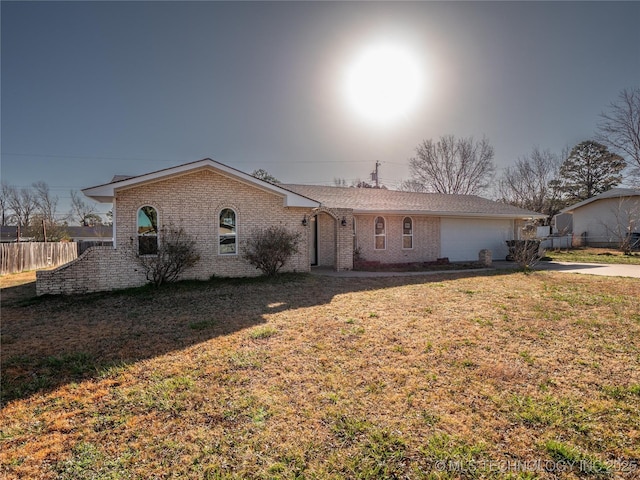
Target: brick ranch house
(220, 207)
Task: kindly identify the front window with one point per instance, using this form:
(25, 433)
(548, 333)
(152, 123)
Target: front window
(147, 230)
(407, 233)
(228, 232)
(380, 234)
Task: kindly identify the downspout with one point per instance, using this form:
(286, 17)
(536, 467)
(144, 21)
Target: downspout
(113, 223)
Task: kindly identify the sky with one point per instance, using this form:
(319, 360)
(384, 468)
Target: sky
(94, 89)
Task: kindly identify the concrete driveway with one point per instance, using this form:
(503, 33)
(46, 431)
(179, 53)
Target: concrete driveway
(610, 270)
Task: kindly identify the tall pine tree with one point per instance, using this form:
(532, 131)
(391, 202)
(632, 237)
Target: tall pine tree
(589, 170)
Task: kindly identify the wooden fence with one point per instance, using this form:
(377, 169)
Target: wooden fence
(19, 257)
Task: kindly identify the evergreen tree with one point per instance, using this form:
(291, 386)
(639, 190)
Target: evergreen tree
(589, 170)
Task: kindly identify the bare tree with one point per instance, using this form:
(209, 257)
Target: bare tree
(413, 186)
(619, 127)
(5, 193)
(452, 165)
(83, 212)
(339, 182)
(23, 205)
(528, 183)
(46, 203)
(262, 174)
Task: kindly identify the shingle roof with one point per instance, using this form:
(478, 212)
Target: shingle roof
(372, 200)
(98, 231)
(8, 232)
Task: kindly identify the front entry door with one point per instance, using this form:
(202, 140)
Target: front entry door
(313, 241)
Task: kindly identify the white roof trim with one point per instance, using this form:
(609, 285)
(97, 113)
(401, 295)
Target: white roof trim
(106, 193)
(613, 193)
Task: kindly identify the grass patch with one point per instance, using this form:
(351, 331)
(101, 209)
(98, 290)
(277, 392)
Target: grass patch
(202, 324)
(593, 255)
(396, 377)
(619, 392)
(89, 461)
(263, 332)
(576, 460)
(26, 374)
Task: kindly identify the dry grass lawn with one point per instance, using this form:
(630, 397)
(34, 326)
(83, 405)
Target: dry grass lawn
(594, 255)
(475, 375)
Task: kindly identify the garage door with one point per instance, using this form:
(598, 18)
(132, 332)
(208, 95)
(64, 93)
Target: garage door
(462, 238)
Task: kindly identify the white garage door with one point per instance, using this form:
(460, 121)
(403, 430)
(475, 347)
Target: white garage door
(462, 238)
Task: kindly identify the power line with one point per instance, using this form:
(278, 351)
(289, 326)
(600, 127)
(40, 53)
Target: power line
(160, 160)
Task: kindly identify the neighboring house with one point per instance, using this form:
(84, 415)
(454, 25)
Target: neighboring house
(8, 234)
(97, 233)
(606, 219)
(220, 207)
(87, 237)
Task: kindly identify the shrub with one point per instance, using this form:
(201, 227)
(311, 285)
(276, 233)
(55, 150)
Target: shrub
(526, 253)
(176, 253)
(270, 248)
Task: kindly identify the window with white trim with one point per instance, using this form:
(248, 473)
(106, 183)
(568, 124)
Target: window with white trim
(407, 233)
(228, 232)
(380, 233)
(147, 230)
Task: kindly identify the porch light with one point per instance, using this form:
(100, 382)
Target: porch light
(343, 222)
(304, 221)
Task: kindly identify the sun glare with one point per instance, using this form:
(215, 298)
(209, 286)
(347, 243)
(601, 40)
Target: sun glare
(383, 83)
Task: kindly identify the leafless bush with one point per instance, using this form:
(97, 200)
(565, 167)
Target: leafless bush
(176, 253)
(526, 253)
(270, 248)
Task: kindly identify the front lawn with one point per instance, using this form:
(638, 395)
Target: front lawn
(475, 375)
(593, 255)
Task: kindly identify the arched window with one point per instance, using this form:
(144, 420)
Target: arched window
(407, 233)
(228, 232)
(380, 235)
(147, 230)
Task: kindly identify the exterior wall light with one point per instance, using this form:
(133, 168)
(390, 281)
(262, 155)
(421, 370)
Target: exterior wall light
(304, 221)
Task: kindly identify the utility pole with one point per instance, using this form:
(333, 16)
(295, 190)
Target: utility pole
(374, 175)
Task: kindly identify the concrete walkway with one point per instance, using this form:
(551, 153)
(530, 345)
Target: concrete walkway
(329, 272)
(611, 270)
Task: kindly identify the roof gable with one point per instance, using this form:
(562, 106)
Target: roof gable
(106, 193)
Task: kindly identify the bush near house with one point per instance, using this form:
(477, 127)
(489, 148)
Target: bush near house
(176, 252)
(270, 248)
(526, 253)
